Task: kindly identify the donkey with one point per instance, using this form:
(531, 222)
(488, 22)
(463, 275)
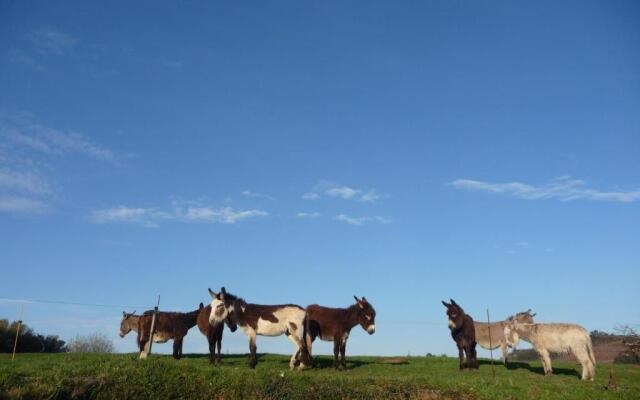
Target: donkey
(169, 325)
(555, 338)
(256, 319)
(335, 324)
(463, 333)
(491, 336)
(129, 323)
(213, 334)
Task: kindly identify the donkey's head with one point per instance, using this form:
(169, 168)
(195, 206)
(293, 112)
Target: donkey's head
(511, 332)
(455, 313)
(223, 309)
(366, 315)
(524, 317)
(127, 323)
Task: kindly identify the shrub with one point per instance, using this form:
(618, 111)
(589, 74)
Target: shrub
(94, 343)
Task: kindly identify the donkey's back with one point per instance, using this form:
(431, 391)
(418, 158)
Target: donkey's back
(560, 337)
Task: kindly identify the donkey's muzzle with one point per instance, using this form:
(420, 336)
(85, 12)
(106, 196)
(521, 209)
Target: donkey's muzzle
(371, 329)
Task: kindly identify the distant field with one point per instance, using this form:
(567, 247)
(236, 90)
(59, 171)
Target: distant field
(122, 376)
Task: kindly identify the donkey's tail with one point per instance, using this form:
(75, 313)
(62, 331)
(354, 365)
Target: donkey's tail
(306, 357)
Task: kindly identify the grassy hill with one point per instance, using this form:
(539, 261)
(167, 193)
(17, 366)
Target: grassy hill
(122, 376)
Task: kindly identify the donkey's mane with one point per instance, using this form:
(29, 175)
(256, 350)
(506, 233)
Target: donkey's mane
(232, 297)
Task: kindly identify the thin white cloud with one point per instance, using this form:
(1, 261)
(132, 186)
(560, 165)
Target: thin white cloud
(28, 151)
(25, 133)
(225, 215)
(25, 182)
(22, 205)
(71, 142)
(344, 192)
(310, 196)
(371, 196)
(137, 215)
(180, 212)
(53, 42)
(309, 215)
(563, 188)
(360, 221)
(249, 193)
(335, 190)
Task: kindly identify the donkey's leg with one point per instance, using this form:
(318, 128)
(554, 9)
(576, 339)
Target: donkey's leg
(546, 361)
(298, 345)
(474, 356)
(219, 344)
(469, 358)
(343, 350)
(141, 343)
(176, 348)
(460, 357)
(302, 354)
(336, 351)
(253, 359)
(144, 348)
(505, 353)
(212, 347)
(310, 349)
(583, 358)
(144, 345)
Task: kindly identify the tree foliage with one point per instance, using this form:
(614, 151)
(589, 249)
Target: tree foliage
(29, 341)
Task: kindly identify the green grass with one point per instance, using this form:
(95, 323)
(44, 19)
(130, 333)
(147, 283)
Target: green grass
(122, 376)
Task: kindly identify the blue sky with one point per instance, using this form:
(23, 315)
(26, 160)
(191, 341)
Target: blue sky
(303, 152)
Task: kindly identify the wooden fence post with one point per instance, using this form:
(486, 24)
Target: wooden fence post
(493, 368)
(153, 324)
(15, 344)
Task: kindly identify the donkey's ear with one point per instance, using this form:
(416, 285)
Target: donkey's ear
(534, 314)
(124, 313)
(201, 306)
(364, 299)
(213, 294)
(357, 299)
(453, 303)
(223, 293)
(446, 304)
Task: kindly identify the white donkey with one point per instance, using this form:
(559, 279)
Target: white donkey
(257, 319)
(555, 338)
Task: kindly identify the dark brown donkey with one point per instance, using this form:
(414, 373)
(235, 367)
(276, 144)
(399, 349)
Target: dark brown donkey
(335, 324)
(212, 333)
(169, 325)
(463, 333)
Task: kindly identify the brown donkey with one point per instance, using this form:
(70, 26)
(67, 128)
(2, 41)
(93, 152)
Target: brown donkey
(169, 325)
(212, 333)
(463, 333)
(335, 324)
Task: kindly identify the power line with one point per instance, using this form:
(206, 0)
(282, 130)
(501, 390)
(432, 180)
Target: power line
(68, 303)
(148, 307)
